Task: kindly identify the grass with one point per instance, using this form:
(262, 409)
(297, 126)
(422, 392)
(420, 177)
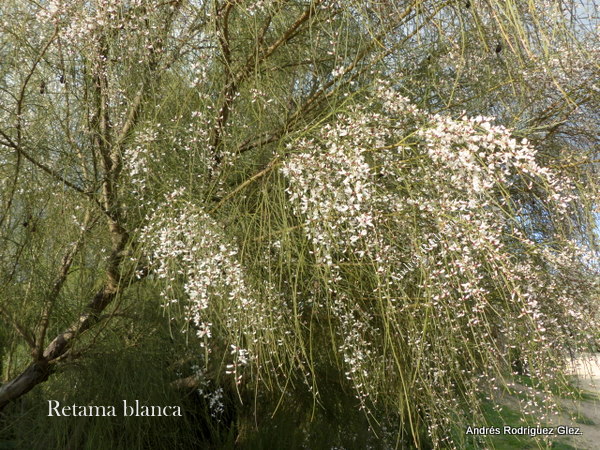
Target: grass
(495, 418)
(512, 417)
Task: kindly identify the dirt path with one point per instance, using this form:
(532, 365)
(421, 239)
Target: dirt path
(587, 410)
(581, 415)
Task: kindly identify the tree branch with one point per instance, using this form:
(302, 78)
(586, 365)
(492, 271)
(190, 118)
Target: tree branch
(8, 142)
(63, 272)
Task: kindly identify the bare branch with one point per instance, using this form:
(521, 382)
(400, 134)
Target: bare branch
(8, 142)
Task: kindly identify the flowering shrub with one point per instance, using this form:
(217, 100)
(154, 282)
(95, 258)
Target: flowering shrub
(385, 183)
(376, 188)
(317, 237)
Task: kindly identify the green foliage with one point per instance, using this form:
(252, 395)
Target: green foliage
(342, 224)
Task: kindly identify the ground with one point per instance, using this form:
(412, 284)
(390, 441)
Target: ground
(585, 413)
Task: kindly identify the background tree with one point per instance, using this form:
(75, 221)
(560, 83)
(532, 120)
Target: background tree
(316, 194)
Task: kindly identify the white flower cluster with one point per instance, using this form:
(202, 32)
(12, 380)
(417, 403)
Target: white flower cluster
(332, 188)
(188, 248)
(80, 22)
(214, 396)
(373, 190)
(479, 156)
(196, 242)
(257, 6)
(136, 159)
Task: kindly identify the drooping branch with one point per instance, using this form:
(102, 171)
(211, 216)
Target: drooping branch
(233, 80)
